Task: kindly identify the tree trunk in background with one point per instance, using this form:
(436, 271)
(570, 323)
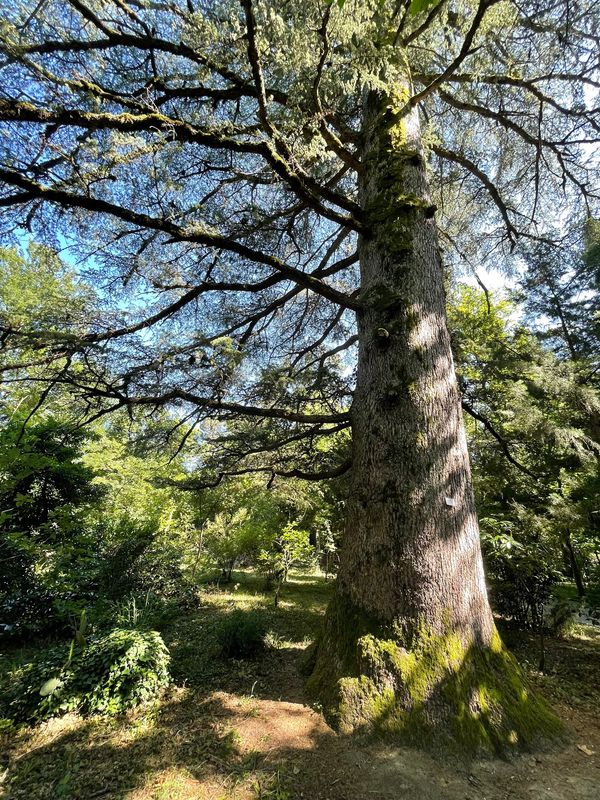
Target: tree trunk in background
(409, 645)
(574, 564)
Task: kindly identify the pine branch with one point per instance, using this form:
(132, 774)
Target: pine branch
(197, 233)
(500, 439)
(182, 131)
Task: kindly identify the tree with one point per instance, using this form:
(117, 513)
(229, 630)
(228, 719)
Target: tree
(45, 493)
(561, 286)
(45, 490)
(272, 527)
(248, 187)
(535, 461)
(144, 526)
(558, 285)
(43, 299)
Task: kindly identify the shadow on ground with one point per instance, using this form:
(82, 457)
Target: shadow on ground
(242, 730)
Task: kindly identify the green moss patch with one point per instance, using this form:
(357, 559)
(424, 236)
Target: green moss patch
(390, 211)
(426, 689)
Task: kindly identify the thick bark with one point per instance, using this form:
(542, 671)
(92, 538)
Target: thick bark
(412, 552)
(409, 645)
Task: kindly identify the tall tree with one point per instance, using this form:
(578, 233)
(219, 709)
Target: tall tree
(561, 286)
(531, 439)
(248, 185)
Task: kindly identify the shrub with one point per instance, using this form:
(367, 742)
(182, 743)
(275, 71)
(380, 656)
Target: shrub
(140, 564)
(521, 569)
(119, 564)
(242, 634)
(112, 674)
(560, 617)
(146, 612)
(26, 612)
(521, 585)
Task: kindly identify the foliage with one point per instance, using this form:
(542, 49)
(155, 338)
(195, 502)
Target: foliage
(82, 520)
(290, 548)
(141, 612)
(145, 526)
(272, 527)
(559, 292)
(42, 478)
(111, 674)
(523, 575)
(591, 254)
(137, 479)
(45, 493)
(241, 634)
(533, 441)
(41, 297)
(228, 537)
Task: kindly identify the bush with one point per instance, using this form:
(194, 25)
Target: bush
(521, 585)
(112, 674)
(27, 612)
(119, 564)
(242, 634)
(140, 565)
(522, 573)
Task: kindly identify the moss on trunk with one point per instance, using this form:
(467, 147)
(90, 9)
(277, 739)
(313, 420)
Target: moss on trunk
(409, 648)
(425, 689)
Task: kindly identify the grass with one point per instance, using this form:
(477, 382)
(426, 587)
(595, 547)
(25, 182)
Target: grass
(235, 730)
(187, 741)
(568, 591)
(572, 670)
(193, 639)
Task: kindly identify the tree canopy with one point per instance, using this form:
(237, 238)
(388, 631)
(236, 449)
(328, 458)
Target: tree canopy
(198, 162)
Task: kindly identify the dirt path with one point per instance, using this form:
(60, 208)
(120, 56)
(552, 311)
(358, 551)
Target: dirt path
(315, 764)
(243, 731)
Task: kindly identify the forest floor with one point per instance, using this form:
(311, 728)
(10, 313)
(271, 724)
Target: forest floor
(242, 730)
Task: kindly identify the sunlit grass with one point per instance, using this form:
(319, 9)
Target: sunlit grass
(208, 738)
(183, 746)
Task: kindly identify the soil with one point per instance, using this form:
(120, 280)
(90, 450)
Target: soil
(254, 737)
(246, 747)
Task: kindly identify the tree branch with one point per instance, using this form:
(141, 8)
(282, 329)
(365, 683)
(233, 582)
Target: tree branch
(501, 441)
(459, 158)
(193, 233)
(182, 131)
(465, 50)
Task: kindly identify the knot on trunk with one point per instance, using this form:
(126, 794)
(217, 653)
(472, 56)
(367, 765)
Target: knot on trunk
(382, 337)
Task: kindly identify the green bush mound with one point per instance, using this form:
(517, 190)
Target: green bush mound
(242, 634)
(111, 674)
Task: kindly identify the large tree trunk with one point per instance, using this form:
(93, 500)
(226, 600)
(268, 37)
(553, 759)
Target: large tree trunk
(409, 645)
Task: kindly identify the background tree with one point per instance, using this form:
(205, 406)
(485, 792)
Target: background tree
(144, 527)
(272, 527)
(45, 490)
(219, 171)
(45, 493)
(534, 460)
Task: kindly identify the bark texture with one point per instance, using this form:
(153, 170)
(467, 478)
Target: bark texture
(409, 645)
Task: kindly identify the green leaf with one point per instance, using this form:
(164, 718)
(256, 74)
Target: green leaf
(417, 6)
(50, 686)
